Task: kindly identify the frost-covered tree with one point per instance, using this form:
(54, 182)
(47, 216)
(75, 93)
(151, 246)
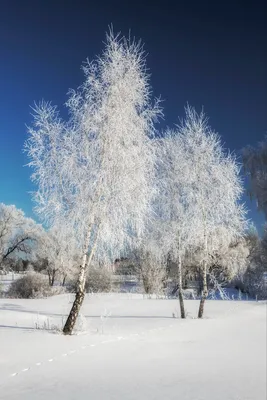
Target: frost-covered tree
(253, 279)
(228, 259)
(213, 191)
(95, 170)
(150, 268)
(255, 165)
(57, 251)
(17, 232)
(176, 206)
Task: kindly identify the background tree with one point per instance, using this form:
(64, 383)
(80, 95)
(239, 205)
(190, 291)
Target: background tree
(57, 254)
(150, 266)
(175, 206)
(254, 278)
(255, 166)
(17, 232)
(214, 190)
(95, 171)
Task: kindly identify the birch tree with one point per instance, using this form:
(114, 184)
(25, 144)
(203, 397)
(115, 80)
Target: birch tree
(95, 170)
(176, 209)
(214, 189)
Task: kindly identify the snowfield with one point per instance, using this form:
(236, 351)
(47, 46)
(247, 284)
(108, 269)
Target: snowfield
(128, 348)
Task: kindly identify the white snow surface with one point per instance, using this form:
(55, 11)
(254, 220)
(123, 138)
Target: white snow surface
(130, 348)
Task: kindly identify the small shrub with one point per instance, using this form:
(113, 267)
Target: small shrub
(152, 274)
(30, 286)
(99, 280)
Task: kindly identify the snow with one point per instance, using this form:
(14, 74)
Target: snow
(129, 347)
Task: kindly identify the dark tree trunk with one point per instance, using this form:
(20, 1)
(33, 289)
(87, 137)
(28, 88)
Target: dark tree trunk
(80, 292)
(180, 288)
(204, 293)
(64, 280)
(51, 277)
(181, 301)
(73, 315)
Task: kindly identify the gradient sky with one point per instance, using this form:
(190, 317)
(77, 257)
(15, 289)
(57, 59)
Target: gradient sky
(207, 54)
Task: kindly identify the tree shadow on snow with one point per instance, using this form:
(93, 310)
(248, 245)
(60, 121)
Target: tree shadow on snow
(11, 307)
(130, 316)
(25, 328)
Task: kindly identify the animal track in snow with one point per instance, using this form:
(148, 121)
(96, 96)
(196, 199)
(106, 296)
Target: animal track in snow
(119, 338)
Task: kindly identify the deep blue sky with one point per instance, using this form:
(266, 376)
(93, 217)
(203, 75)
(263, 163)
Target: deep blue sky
(211, 55)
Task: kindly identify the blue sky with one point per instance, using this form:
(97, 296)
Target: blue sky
(211, 56)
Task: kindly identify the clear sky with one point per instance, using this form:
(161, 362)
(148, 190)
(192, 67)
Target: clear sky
(209, 54)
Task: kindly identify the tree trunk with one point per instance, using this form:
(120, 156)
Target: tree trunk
(64, 280)
(53, 277)
(204, 292)
(80, 293)
(180, 288)
(74, 312)
(49, 278)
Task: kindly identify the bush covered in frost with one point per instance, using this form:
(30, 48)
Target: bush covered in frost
(30, 286)
(99, 280)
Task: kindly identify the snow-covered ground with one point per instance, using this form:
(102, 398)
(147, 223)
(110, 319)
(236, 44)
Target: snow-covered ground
(133, 348)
